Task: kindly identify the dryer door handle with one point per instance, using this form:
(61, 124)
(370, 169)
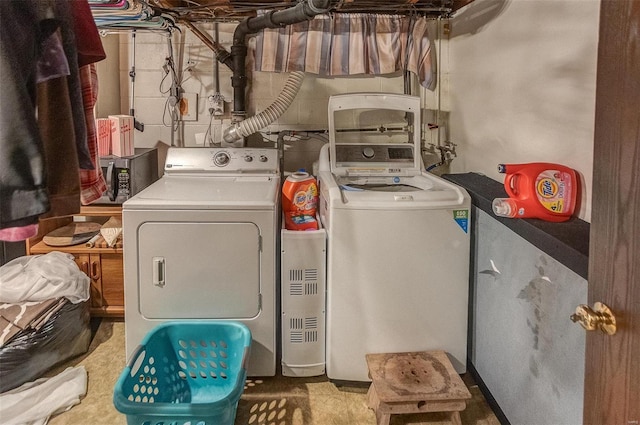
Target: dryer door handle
(159, 271)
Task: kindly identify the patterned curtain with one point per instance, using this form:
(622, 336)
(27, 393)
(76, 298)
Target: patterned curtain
(348, 44)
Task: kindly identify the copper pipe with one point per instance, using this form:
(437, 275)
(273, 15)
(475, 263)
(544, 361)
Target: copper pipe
(221, 53)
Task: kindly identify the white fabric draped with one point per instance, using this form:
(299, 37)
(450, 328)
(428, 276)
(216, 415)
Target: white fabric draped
(42, 277)
(33, 403)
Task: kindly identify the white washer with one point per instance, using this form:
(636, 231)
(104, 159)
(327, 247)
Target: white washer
(200, 243)
(398, 238)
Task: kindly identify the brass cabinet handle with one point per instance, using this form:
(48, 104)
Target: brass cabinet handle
(599, 317)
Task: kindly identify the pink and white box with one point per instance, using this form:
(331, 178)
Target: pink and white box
(103, 127)
(121, 135)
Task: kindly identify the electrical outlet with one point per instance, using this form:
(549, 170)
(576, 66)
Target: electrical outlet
(218, 108)
(216, 104)
(188, 107)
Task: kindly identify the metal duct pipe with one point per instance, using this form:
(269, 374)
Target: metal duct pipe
(253, 124)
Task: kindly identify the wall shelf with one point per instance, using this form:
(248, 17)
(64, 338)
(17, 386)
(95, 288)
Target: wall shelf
(567, 242)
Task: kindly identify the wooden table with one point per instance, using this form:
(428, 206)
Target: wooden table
(102, 264)
(415, 382)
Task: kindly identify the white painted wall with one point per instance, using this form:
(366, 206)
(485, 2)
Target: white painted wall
(522, 85)
(517, 85)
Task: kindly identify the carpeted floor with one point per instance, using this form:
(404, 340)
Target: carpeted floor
(268, 401)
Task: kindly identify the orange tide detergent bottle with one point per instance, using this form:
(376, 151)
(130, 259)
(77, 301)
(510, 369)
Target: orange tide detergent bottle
(300, 201)
(538, 190)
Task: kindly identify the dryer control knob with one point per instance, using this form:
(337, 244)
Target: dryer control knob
(263, 158)
(248, 158)
(368, 152)
(221, 159)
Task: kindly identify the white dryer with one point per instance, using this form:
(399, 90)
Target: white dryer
(200, 244)
(398, 238)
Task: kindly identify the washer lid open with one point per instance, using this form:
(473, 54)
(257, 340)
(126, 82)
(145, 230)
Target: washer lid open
(374, 134)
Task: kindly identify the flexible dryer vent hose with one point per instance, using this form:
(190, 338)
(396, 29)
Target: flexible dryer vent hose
(259, 121)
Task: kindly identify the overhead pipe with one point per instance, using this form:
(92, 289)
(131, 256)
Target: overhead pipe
(274, 19)
(221, 53)
(301, 12)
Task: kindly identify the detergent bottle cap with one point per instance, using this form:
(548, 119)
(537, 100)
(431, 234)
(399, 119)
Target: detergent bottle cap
(299, 175)
(504, 207)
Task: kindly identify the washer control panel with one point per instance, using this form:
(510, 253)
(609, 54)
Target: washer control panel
(222, 160)
(375, 153)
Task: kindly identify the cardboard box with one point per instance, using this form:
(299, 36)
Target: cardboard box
(121, 135)
(103, 130)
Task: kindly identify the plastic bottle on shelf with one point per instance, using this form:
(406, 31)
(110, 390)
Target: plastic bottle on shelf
(538, 190)
(300, 201)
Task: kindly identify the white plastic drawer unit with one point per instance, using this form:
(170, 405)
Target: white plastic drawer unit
(303, 290)
(207, 267)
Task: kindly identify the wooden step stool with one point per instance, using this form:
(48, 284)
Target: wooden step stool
(415, 382)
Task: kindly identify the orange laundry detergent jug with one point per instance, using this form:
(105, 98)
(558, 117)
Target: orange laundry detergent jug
(538, 190)
(300, 201)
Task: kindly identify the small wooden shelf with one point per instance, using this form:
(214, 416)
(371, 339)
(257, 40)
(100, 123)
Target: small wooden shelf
(43, 248)
(103, 265)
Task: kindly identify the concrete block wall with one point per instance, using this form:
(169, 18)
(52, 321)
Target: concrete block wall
(195, 65)
(196, 69)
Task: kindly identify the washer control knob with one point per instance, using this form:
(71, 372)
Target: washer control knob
(263, 158)
(368, 152)
(221, 159)
(248, 158)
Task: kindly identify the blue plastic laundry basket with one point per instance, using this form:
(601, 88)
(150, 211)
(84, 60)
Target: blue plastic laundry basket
(185, 373)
